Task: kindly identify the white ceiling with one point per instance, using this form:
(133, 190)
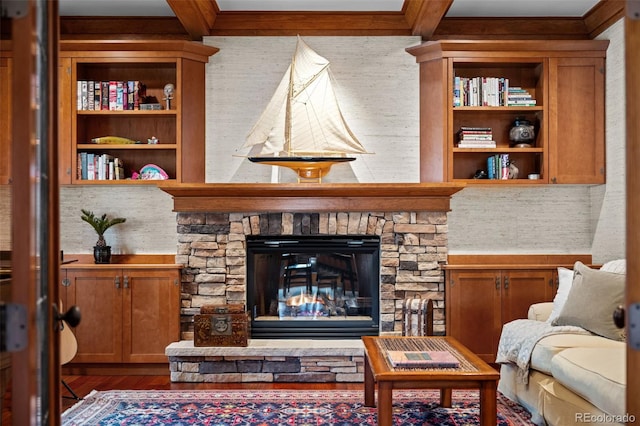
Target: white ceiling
(459, 8)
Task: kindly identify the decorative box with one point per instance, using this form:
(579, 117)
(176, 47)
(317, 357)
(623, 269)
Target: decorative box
(221, 325)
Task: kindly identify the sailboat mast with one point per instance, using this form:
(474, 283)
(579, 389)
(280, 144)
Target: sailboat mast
(287, 116)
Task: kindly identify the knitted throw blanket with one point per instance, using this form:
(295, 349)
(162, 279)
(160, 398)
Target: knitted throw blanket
(520, 336)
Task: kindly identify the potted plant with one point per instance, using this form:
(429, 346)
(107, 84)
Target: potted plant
(101, 251)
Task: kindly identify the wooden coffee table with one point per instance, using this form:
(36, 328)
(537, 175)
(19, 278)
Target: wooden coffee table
(472, 373)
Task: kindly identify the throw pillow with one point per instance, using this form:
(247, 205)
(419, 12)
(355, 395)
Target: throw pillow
(618, 266)
(593, 297)
(565, 280)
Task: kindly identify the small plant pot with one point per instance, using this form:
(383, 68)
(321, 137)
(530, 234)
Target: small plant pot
(102, 254)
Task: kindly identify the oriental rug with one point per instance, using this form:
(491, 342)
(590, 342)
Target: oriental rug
(279, 407)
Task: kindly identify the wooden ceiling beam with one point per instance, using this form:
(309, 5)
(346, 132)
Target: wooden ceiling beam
(424, 16)
(603, 15)
(196, 16)
(199, 18)
(310, 23)
(512, 28)
(120, 28)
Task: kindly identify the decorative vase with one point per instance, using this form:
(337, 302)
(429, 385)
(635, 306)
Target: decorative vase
(102, 254)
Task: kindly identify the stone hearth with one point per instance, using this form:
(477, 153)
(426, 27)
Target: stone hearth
(214, 221)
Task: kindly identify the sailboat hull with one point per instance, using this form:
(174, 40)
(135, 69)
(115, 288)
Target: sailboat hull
(307, 168)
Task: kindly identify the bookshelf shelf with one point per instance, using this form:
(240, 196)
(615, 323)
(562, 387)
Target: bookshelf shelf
(475, 84)
(109, 147)
(92, 113)
(137, 113)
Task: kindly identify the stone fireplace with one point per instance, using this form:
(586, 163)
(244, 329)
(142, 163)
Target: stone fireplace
(216, 220)
(413, 246)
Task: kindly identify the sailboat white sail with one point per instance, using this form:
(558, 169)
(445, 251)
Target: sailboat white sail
(302, 127)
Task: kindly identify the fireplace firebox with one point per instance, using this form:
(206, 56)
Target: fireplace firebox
(313, 286)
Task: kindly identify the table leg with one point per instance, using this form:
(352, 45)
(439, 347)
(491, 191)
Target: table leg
(488, 403)
(369, 384)
(445, 398)
(385, 404)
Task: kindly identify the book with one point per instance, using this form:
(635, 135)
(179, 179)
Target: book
(120, 96)
(97, 97)
(423, 359)
(90, 95)
(113, 95)
(83, 94)
(483, 144)
(104, 95)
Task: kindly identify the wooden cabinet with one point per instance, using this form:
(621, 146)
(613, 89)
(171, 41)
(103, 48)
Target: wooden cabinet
(5, 116)
(178, 127)
(576, 116)
(483, 292)
(130, 313)
(564, 77)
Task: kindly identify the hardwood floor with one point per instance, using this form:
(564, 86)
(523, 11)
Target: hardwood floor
(83, 385)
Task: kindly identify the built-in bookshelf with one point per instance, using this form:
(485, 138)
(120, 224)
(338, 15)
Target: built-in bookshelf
(474, 92)
(122, 119)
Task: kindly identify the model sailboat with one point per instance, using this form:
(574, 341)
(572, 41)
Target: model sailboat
(302, 127)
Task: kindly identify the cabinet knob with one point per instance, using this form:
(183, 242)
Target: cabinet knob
(506, 283)
(116, 281)
(126, 281)
(497, 283)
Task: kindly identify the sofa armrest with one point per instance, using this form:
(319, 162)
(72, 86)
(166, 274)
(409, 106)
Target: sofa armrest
(540, 311)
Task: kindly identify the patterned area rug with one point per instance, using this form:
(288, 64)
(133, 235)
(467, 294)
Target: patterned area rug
(278, 407)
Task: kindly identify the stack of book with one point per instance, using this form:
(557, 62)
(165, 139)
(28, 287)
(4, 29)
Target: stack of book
(517, 96)
(480, 91)
(109, 95)
(475, 137)
(498, 166)
(423, 359)
(99, 167)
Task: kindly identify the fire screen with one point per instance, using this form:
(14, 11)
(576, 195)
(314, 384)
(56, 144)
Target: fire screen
(313, 286)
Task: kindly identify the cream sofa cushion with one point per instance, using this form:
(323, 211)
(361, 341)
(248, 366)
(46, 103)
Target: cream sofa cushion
(550, 346)
(562, 407)
(540, 311)
(596, 374)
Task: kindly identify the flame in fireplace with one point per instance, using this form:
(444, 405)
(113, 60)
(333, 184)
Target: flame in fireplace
(303, 299)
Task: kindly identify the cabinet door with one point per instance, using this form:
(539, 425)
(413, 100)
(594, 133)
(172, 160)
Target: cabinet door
(522, 288)
(64, 122)
(473, 310)
(576, 134)
(5, 121)
(152, 313)
(98, 294)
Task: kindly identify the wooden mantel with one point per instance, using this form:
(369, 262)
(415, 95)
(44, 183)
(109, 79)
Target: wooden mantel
(310, 197)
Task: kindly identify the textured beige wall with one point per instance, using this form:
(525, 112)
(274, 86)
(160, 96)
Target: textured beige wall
(376, 82)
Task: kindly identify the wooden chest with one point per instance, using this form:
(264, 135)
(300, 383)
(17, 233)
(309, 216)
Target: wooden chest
(221, 325)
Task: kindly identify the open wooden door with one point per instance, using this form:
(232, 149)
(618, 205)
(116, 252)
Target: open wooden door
(33, 189)
(632, 65)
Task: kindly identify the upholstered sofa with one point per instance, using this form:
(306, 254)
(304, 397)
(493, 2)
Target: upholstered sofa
(567, 365)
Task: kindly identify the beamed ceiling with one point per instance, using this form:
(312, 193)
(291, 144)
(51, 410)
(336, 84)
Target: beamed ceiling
(195, 19)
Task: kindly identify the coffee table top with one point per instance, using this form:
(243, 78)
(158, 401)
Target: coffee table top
(471, 366)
